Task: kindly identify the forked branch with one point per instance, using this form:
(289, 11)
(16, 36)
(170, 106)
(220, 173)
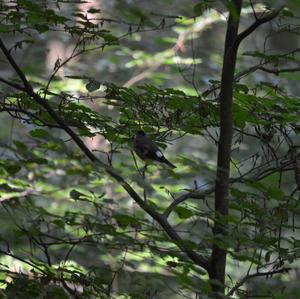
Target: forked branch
(258, 22)
(198, 259)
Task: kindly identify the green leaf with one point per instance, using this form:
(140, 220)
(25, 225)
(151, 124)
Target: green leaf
(125, 220)
(183, 212)
(39, 133)
(94, 10)
(92, 85)
(20, 145)
(236, 193)
(13, 168)
(35, 159)
(59, 223)
(108, 37)
(287, 13)
(74, 194)
(30, 5)
(41, 28)
(242, 87)
(275, 193)
(172, 264)
(85, 132)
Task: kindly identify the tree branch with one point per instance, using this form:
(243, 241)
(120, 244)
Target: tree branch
(195, 194)
(259, 175)
(249, 276)
(30, 114)
(277, 71)
(252, 69)
(259, 21)
(14, 85)
(23, 261)
(12, 62)
(16, 194)
(198, 259)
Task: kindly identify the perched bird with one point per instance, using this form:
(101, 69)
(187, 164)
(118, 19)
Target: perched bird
(147, 149)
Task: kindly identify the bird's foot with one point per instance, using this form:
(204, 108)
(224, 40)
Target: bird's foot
(143, 170)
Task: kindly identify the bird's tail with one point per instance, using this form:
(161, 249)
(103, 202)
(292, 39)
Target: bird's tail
(164, 160)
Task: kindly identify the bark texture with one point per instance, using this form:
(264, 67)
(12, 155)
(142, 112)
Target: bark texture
(218, 256)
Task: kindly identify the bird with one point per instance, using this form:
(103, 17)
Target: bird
(147, 149)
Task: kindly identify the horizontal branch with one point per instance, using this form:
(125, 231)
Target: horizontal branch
(13, 195)
(14, 85)
(17, 111)
(32, 264)
(254, 68)
(259, 175)
(258, 274)
(277, 71)
(198, 259)
(259, 21)
(190, 195)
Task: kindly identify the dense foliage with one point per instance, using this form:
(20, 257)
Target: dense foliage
(81, 217)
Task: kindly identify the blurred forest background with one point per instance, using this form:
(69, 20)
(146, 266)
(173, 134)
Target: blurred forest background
(110, 68)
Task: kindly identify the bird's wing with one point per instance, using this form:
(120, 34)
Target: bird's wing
(147, 149)
(153, 152)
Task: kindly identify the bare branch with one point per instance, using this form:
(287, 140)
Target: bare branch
(17, 111)
(277, 71)
(258, 274)
(198, 259)
(34, 266)
(195, 194)
(253, 9)
(259, 21)
(144, 74)
(11, 84)
(287, 166)
(29, 90)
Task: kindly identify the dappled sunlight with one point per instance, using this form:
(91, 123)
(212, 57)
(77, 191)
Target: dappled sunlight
(149, 149)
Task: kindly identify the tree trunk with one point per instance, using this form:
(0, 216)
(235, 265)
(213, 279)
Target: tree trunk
(218, 257)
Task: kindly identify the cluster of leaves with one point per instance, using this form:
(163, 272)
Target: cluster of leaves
(58, 209)
(74, 228)
(25, 16)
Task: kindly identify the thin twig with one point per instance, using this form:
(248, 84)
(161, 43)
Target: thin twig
(259, 21)
(195, 257)
(258, 274)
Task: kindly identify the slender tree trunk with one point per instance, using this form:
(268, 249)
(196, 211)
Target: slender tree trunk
(218, 257)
